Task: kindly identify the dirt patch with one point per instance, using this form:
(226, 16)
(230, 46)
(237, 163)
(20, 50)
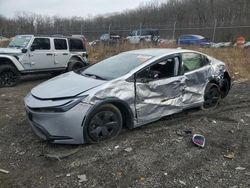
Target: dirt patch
(157, 155)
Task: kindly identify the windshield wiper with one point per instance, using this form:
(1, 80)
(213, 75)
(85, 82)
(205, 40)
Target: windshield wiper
(94, 75)
(15, 46)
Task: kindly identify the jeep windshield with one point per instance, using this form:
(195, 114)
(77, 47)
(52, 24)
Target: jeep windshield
(115, 66)
(20, 42)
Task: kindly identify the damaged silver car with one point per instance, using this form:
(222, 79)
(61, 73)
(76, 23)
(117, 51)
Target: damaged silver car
(127, 90)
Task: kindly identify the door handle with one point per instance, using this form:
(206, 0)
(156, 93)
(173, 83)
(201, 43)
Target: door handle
(49, 54)
(65, 53)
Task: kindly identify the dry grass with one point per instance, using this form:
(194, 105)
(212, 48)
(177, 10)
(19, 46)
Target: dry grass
(237, 60)
(4, 43)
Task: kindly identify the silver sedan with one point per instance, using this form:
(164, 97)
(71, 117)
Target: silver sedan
(127, 90)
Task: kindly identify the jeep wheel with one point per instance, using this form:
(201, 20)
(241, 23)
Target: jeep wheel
(9, 76)
(74, 65)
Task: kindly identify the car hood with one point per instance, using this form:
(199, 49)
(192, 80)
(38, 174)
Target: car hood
(10, 51)
(66, 85)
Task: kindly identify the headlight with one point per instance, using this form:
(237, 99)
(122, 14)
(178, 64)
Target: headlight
(69, 105)
(62, 108)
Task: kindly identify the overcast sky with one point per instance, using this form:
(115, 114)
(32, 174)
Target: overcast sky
(68, 8)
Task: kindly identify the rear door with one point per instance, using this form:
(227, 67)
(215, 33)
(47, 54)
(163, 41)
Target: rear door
(159, 89)
(41, 54)
(197, 70)
(61, 52)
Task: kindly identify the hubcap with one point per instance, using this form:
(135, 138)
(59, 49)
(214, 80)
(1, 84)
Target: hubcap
(7, 78)
(212, 97)
(103, 125)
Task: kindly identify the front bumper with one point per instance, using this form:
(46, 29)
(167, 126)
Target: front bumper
(59, 127)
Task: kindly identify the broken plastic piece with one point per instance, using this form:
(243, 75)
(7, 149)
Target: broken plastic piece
(198, 140)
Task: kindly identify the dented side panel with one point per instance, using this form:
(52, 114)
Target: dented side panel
(159, 98)
(195, 84)
(119, 89)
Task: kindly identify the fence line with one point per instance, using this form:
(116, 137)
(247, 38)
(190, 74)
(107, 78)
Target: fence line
(218, 32)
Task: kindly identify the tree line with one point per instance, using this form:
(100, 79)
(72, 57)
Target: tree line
(222, 19)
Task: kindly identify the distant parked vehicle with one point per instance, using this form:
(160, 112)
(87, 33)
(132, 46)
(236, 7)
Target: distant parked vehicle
(144, 35)
(247, 45)
(110, 38)
(35, 53)
(193, 40)
(222, 45)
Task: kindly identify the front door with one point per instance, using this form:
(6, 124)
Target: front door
(159, 89)
(41, 54)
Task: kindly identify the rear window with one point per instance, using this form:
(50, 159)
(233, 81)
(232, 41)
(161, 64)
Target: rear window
(60, 44)
(76, 45)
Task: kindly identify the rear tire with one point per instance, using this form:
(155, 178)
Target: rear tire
(225, 87)
(212, 96)
(9, 76)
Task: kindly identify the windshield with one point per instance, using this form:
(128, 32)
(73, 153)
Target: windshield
(115, 66)
(20, 42)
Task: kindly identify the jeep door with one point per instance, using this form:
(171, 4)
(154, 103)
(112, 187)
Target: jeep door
(61, 52)
(159, 89)
(41, 54)
(197, 71)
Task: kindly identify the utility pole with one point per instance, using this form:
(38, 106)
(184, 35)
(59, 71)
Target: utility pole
(81, 28)
(215, 25)
(174, 30)
(109, 28)
(140, 28)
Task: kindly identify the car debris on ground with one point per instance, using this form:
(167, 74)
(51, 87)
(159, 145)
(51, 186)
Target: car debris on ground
(199, 140)
(230, 156)
(82, 178)
(4, 171)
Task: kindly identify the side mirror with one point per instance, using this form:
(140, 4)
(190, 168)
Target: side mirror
(24, 50)
(32, 48)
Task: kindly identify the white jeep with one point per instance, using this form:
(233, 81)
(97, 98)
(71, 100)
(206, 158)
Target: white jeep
(36, 54)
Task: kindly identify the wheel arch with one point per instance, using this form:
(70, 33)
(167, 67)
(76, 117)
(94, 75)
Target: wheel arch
(6, 60)
(76, 58)
(123, 106)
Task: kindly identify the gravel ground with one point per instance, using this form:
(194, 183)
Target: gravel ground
(160, 154)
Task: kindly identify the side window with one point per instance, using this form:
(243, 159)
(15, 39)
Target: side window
(164, 69)
(41, 44)
(60, 44)
(76, 44)
(193, 61)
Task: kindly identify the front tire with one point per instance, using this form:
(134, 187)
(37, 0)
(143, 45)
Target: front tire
(105, 122)
(9, 76)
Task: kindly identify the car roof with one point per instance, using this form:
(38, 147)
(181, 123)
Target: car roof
(54, 36)
(158, 51)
